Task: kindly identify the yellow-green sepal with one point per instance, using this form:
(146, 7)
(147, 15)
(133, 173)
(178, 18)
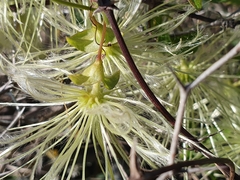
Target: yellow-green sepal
(94, 72)
(111, 81)
(89, 39)
(84, 41)
(78, 79)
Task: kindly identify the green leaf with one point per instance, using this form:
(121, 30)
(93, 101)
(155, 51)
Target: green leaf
(88, 40)
(78, 79)
(111, 81)
(196, 3)
(84, 41)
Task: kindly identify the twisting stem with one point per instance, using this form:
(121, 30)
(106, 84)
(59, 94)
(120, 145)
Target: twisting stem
(99, 56)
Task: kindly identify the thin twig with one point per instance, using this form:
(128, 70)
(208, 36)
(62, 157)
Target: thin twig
(177, 127)
(75, 5)
(179, 118)
(135, 173)
(184, 91)
(7, 85)
(234, 51)
(14, 121)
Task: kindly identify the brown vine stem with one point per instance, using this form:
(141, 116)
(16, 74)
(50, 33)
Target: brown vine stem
(152, 175)
(107, 7)
(109, 13)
